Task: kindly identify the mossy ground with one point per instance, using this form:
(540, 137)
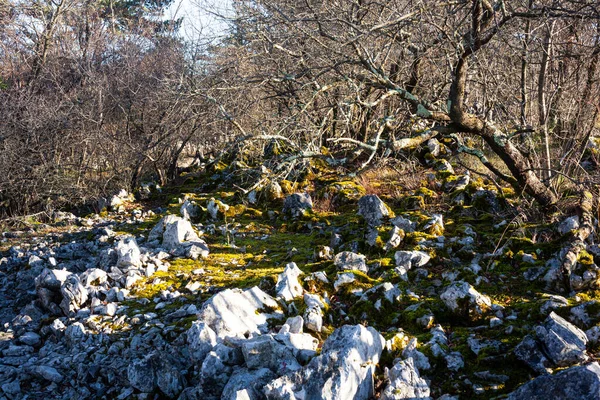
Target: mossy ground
(250, 245)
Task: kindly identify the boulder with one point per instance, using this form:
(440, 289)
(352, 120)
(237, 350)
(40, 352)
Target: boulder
(216, 208)
(581, 382)
(563, 342)
(155, 370)
(47, 286)
(405, 382)
(297, 204)
(347, 260)
(214, 374)
(201, 339)
(129, 253)
(343, 370)
(178, 237)
(266, 352)
(395, 239)
(405, 224)
(235, 313)
(531, 353)
(406, 260)
(288, 286)
(462, 299)
(245, 384)
(49, 373)
(373, 209)
(189, 209)
(74, 294)
(568, 224)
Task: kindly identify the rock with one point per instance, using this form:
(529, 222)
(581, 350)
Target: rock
(247, 385)
(49, 373)
(373, 209)
(568, 224)
(323, 253)
(288, 286)
(74, 295)
(454, 361)
(168, 377)
(189, 210)
(462, 299)
(236, 313)
(434, 147)
(406, 260)
(458, 183)
(302, 345)
(563, 342)
(405, 224)
(444, 165)
(344, 370)
(195, 250)
(405, 382)
(266, 352)
(297, 204)
(313, 319)
(347, 260)
(214, 374)
(216, 208)
(201, 339)
(30, 339)
(141, 374)
(435, 225)
(295, 324)
(531, 353)
(581, 382)
(395, 239)
(410, 351)
(12, 389)
(173, 231)
(93, 276)
(128, 253)
(274, 191)
(372, 236)
(118, 200)
(343, 279)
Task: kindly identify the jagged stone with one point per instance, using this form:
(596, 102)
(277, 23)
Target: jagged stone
(568, 224)
(237, 314)
(395, 239)
(49, 373)
(462, 299)
(344, 370)
(563, 342)
(405, 382)
(405, 224)
(406, 260)
(247, 384)
(373, 209)
(288, 286)
(216, 208)
(74, 294)
(347, 260)
(189, 209)
(266, 352)
(129, 253)
(178, 237)
(582, 383)
(531, 353)
(297, 204)
(201, 339)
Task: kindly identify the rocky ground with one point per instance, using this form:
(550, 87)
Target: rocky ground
(436, 284)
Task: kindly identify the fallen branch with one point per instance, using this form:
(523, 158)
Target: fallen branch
(577, 239)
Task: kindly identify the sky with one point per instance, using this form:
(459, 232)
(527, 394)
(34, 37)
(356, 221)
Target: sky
(199, 19)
